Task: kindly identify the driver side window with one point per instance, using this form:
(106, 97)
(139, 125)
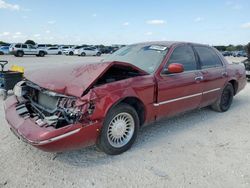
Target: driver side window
(184, 55)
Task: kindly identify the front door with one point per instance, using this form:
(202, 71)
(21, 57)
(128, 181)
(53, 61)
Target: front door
(32, 50)
(179, 92)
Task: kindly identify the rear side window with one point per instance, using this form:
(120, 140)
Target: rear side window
(18, 45)
(208, 57)
(185, 56)
(24, 46)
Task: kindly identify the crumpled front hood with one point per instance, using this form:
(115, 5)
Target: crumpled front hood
(71, 79)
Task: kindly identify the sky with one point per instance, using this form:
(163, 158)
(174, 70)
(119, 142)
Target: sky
(214, 22)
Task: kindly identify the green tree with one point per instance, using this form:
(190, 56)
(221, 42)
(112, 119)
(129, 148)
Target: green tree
(30, 42)
(2, 43)
(239, 47)
(221, 48)
(231, 48)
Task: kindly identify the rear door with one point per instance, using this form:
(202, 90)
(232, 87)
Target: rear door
(88, 51)
(52, 51)
(213, 72)
(32, 50)
(179, 92)
(25, 49)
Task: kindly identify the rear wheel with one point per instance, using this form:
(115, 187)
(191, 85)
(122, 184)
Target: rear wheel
(71, 53)
(59, 53)
(83, 54)
(19, 54)
(1, 53)
(225, 100)
(119, 130)
(98, 54)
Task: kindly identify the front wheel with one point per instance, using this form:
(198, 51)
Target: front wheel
(41, 54)
(225, 100)
(71, 53)
(83, 54)
(119, 130)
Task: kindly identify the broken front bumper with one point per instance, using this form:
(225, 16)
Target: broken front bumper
(50, 139)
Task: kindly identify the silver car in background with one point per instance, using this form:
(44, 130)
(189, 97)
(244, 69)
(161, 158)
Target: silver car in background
(19, 50)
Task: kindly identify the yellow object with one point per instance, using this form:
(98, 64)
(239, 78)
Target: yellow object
(17, 68)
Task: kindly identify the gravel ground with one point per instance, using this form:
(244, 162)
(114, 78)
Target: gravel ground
(201, 148)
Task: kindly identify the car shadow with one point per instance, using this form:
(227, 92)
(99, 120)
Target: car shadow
(148, 135)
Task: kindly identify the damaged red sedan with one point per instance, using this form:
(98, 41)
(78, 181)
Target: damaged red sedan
(106, 103)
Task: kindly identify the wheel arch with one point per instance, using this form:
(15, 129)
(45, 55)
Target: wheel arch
(136, 103)
(235, 85)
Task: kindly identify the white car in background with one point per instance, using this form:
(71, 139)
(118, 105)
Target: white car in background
(87, 51)
(70, 51)
(54, 51)
(65, 49)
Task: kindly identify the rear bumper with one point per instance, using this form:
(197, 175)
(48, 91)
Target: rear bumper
(49, 139)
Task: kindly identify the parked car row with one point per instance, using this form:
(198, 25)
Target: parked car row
(234, 53)
(19, 50)
(80, 50)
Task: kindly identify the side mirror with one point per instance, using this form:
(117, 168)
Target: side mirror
(175, 68)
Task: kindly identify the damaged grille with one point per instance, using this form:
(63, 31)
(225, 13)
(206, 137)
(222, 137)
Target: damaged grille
(47, 108)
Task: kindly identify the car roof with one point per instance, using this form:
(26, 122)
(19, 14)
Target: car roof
(168, 43)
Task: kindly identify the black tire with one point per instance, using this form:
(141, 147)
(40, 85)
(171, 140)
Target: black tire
(1, 53)
(83, 54)
(41, 54)
(59, 53)
(19, 54)
(71, 53)
(103, 141)
(225, 100)
(98, 54)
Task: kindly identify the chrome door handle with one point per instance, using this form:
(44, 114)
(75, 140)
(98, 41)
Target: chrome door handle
(198, 78)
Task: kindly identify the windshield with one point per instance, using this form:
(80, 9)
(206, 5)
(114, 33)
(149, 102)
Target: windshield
(146, 57)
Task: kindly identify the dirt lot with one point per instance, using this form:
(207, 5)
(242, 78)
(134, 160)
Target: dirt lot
(201, 148)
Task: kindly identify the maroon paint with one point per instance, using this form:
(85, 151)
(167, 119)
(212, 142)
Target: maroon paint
(149, 89)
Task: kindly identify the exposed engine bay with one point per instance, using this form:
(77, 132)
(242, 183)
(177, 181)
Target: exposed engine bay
(47, 108)
(50, 109)
(116, 73)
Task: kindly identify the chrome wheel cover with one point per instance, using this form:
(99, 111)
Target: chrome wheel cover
(121, 129)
